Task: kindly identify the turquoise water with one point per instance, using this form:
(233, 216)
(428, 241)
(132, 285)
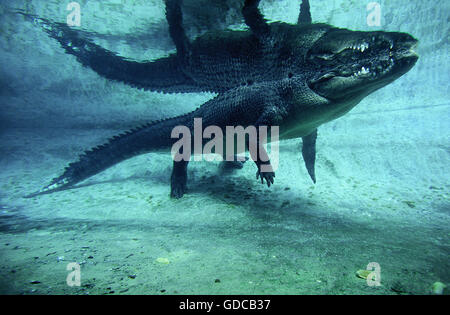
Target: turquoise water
(382, 192)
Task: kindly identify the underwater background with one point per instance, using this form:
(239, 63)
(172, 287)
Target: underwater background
(382, 192)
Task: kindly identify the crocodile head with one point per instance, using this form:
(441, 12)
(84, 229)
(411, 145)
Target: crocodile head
(349, 65)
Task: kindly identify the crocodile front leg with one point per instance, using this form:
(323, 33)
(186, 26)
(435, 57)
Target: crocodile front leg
(273, 116)
(254, 19)
(237, 162)
(267, 175)
(304, 16)
(262, 161)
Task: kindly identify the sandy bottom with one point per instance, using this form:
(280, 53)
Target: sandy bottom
(373, 202)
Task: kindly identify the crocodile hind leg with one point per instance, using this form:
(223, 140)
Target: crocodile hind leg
(178, 180)
(174, 17)
(162, 75)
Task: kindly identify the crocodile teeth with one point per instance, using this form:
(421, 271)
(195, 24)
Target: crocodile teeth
(364, 47)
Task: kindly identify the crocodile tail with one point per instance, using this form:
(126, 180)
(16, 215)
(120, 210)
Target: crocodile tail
(155, 136)
(163, 75)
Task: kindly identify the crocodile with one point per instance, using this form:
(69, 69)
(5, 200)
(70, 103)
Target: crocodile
(292, 76)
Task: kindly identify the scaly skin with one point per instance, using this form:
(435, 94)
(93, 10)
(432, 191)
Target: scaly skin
(217, 61)
(297, 77)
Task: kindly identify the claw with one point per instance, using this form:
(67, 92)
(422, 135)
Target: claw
(268, 176)
(177, 192)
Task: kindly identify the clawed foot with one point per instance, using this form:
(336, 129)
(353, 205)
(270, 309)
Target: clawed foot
(268, 176)
(177, 190)
(178, 180)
